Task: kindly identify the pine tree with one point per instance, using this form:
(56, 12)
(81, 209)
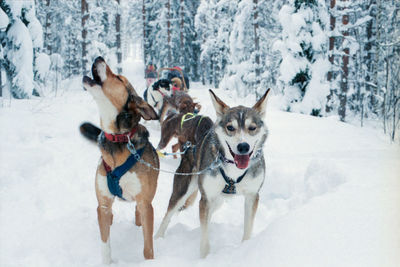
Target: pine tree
(18, 49)
(252, 63)
(188, 50)
(214, 22)
(156, 45)
(118, 37)
(388, 22)
(84, 33)
(303, 47)
(4, 21)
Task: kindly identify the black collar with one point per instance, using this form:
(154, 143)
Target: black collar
(230, 184)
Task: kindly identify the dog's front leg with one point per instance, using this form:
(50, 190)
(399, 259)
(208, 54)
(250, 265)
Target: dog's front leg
(147, 220)
(204, 212)
(138, 220)
(206, 209)
(250, 208)
(105, 218)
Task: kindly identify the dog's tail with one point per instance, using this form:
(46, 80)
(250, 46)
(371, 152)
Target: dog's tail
(90, 131)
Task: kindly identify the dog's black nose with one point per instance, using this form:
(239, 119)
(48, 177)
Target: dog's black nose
(243, 148)
(99, 59)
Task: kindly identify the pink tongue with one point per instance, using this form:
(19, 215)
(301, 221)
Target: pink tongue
(242, 161)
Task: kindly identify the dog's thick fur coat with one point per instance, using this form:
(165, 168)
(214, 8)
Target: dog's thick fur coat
(193, 130)
(234, 127)
(120, 111)
(178, 102)
(235, 140)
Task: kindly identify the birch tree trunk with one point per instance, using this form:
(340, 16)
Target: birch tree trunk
(328, 107)
(144, 32)
(84, 18)
(168, 6)
(345, 71)
(47, 31)
(118, 36)
(256, 46)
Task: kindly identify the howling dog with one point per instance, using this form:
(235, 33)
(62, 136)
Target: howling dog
(118, 172)
(230, 161)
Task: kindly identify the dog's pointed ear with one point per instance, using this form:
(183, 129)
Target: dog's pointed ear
(261, 104)
(219, 105)
(143, 108)
(130, 89)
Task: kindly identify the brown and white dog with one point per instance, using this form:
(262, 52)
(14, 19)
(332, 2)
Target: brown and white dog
(179, 102)
(120, 111)
(187, 128)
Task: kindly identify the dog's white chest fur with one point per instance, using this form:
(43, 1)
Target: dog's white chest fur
(213, 185)
(129, 183)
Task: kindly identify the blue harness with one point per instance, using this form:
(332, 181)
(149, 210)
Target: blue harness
(114, 176)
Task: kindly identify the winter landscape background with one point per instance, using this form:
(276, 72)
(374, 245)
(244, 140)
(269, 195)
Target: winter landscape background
(332, 191)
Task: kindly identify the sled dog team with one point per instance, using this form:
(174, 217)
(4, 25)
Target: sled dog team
(218, 158)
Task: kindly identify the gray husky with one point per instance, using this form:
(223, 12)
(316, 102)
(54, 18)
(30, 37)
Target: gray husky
(230, 161)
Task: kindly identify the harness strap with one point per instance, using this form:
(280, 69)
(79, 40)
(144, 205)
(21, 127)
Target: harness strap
(113, 176)
(224, 159)
(230, 187)
(192, 116)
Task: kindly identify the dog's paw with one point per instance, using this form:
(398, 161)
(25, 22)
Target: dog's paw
(204, 249)
(159, 234)
(106, 252)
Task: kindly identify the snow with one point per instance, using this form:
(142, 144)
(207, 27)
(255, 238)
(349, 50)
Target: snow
(331, 196)
(36, 31)
(3, 20)
(42, 65)
(20, 55)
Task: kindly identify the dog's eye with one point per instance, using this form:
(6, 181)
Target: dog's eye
(252, 128)
(230, 128)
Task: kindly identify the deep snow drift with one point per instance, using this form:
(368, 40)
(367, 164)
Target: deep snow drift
(331, 195)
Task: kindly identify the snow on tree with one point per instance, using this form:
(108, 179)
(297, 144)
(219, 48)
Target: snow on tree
(240, 75)
(188, 50)
(388, 78)
(18, 47)
(4, 21)
(303, 47)
(251, 62)
(62, 32)
(214, 22)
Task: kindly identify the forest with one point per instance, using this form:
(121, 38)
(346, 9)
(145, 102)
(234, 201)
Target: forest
(330, 195)
(320, 57)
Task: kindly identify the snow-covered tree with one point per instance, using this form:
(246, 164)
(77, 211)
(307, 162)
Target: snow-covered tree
(240, 75)
(4, 21)
(188, 51)
(388, 45)
(214, 22)
(251, 62)
(18, 46)
(303, 47)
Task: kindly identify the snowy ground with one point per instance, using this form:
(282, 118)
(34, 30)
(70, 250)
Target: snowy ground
(331, 196)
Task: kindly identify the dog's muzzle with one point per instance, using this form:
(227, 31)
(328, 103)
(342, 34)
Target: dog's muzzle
(241, 160)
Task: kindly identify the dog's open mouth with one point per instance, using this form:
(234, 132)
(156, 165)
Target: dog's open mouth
(241, 160)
